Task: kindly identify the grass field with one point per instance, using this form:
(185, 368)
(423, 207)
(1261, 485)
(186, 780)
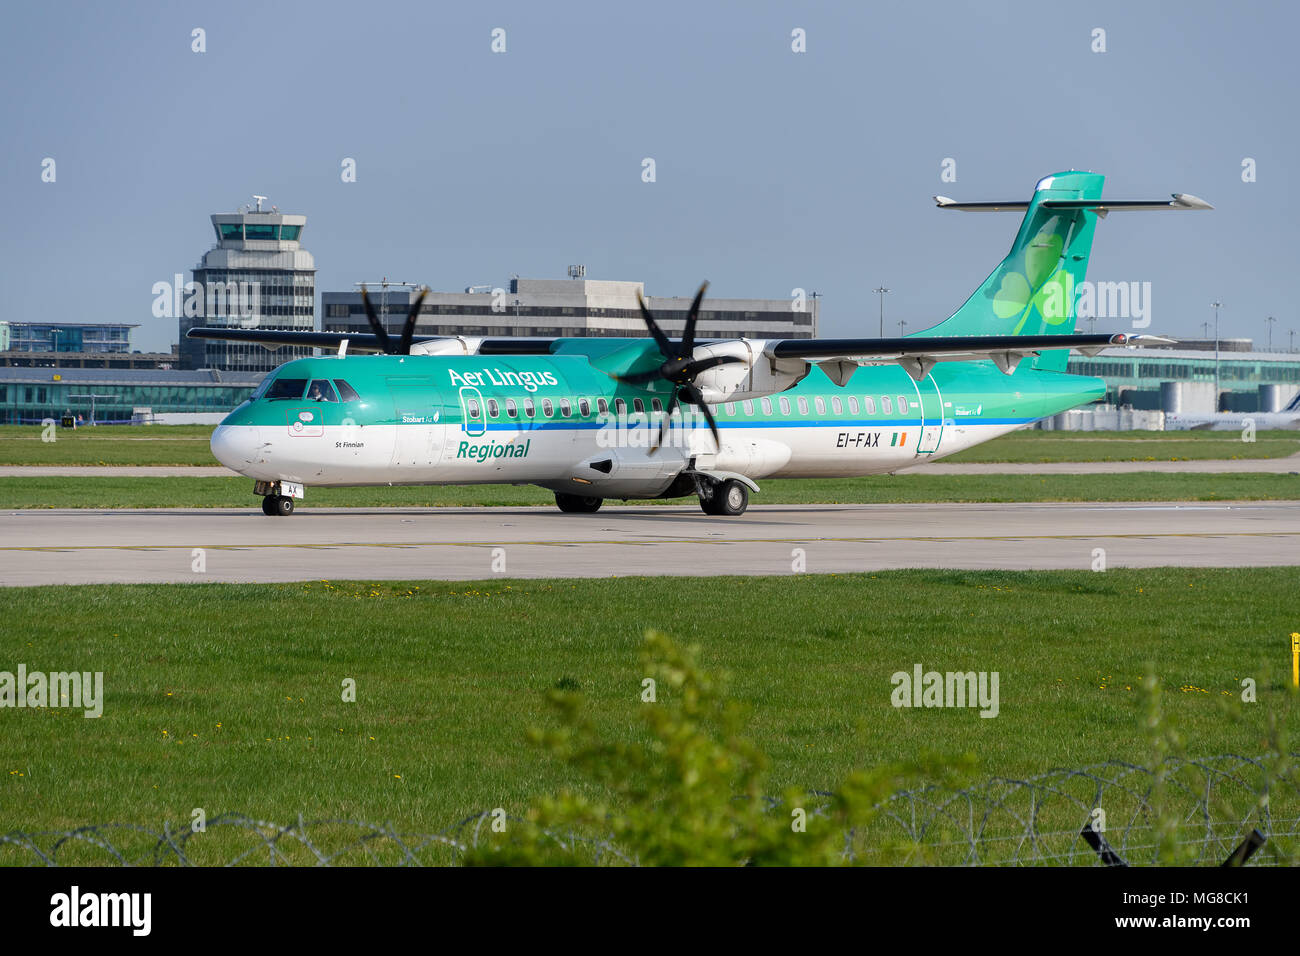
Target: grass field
(184, 492)
(227, 697)
(188, 445)
(1039, 446)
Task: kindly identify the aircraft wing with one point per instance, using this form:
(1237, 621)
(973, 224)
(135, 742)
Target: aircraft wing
(369, 342)
(918, 354)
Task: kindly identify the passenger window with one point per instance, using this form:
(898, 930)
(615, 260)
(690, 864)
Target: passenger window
(286, 388)
(837, 406)
(767, 406)
(346, 392)
(748, 407)
(656, 405)
(870, 405)
(620, 407)
(730, 407)
(638, 405)
(471, 406)
(512, 410)
(902, 404)
(493, 408)
(529, 408)
(785, 405)
(584, 407)
(803, 405)
(565, 408)
(821, 405)
(321, 391)
(886, 405)
(547, 408)
(853, 405)
(602, 406)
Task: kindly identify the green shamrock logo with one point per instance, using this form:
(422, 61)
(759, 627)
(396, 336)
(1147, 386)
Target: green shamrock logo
(1042, 287)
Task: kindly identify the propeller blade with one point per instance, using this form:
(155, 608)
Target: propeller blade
(639, 378)
(380, 333)
(408, 330)
(713, 361)
(661, 340)
(688, 334)
(664, 425)
(713, 426)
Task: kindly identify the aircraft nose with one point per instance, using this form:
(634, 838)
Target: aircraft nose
(232, 445)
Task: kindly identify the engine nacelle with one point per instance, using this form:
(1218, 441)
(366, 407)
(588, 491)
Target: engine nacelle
(452, 345)
(755, 376)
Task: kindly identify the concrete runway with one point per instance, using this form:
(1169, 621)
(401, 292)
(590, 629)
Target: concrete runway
(85, 546)
(1274, 466)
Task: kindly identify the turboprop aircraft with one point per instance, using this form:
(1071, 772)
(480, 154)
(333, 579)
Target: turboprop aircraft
(597, 418)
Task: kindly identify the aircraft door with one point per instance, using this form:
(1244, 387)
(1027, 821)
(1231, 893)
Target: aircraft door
(933, 419)
(417, 408)
(473, 414)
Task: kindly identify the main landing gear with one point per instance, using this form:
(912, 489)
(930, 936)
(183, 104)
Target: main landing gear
(727, 498)
(578, 504)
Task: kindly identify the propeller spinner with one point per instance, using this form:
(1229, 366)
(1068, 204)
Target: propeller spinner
(403, 346)
(679, 367)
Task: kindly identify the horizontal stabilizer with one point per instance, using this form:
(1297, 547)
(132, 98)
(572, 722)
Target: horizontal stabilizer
(1100, 206)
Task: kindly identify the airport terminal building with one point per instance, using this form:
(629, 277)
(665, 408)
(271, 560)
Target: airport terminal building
(567, 308)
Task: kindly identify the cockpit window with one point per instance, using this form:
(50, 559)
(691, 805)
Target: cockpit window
(262, 386)
(321, 391)
(286, 388)
(346, 392)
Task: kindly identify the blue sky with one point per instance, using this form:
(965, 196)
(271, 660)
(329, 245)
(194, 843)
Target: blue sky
(774, 170)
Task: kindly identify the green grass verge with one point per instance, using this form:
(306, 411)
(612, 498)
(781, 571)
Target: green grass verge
(107, 445)
(188, 445)
(109, 492)
(227, 697)
(1039, 446)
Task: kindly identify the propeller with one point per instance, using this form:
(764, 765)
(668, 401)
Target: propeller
(408, 330)
(679, 367)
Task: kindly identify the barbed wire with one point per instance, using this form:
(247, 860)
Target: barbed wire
(1114, 813)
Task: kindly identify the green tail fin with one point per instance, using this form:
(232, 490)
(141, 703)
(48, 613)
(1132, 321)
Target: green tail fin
(1032, 292)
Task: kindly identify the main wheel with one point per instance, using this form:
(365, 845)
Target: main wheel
(729, 498)
(278, 506)
(578, 504)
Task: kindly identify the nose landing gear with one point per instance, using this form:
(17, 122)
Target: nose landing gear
(277, 506)
(277, 497)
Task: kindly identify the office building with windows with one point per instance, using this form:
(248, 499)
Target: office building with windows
(555, 308)
(257, 276)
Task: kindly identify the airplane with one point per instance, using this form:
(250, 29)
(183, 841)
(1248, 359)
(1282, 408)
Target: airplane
(1288, 419)
(592, 419)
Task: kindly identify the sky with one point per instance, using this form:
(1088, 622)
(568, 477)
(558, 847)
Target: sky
(774, 170)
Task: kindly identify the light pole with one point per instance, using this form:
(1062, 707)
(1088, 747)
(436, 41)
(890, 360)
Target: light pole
(1215, 305)
(384, 283)
(882, 292)
(92, 396)
(901, 323)
(1205, 330)
(1271, 322)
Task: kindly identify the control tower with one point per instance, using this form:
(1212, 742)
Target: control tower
(257, 276)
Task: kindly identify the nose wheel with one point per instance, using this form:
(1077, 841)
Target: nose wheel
(280, 506)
